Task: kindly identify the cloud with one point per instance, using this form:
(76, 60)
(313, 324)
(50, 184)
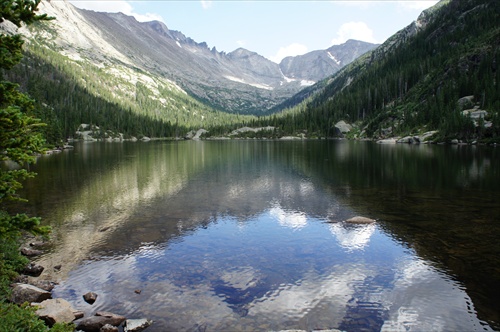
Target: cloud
(417, 5)
(358, 4)
(354, 30)
(206, 4)
(290, 50)
(118, 6)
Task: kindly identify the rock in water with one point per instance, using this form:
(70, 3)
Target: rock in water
(113, 319)
(95, 323)
(90, 297)
(360, 220)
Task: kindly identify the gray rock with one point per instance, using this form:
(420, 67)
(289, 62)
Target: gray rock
(37, 244)
(466, 101)
(109, 328)
(55, 311)
(28, 293)
(135, 325)
(33, 270)
(427, 135)
(343, 127)
(44, 284)
(114, 319)
(78, 314)
(478, 114)
(95, 323)
(454, 141)
(90, 297)
(409, 140)
(388, 141)
(360, 220)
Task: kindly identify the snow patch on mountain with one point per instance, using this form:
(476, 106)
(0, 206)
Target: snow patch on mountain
(331, 56)
(256, 85)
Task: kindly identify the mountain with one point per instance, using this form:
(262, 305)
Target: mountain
(240, 82)
(440, 73)
(317, 65)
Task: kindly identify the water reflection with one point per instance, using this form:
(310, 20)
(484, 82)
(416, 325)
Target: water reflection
(250, 235)
(353, 237)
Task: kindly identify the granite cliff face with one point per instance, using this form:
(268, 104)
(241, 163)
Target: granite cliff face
(237, 82)
(317, 65)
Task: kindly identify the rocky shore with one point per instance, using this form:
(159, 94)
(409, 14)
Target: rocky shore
(38, 293)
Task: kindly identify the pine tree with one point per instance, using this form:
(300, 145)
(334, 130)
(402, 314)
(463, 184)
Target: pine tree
(20, 139)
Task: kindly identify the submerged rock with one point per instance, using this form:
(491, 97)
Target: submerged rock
(360, 220)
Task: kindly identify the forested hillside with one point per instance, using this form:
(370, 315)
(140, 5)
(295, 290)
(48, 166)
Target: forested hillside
(133, 102)
(412, 84)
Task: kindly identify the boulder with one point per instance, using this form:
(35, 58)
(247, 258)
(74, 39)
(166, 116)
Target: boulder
(135, 325)
(95, 323)
(427, 135)
(388, 141)
(342, 128)
(33, 270)
(43, 284)
(360, 220)
(28, 293)
(114, 319)
(37, 244)
(55, 311)
(466, 101)
(78, 314)
(28, 252)
(90, 297)
(409, 140)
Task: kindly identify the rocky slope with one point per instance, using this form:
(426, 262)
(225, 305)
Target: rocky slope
(317, 65)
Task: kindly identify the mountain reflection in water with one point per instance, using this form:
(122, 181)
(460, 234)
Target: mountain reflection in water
(250, 235)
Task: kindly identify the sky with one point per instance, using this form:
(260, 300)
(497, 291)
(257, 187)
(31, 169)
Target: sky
(273, 29)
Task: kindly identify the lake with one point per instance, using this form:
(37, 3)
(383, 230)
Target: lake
(251, 235)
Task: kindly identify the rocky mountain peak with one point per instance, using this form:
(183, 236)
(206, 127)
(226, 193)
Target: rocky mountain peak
(240, 81)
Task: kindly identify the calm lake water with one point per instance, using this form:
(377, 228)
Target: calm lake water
(250, 235)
